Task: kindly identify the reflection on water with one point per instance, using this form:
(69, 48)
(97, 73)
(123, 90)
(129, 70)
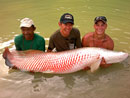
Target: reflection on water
(81, 84)
(112, 82)
(76, 85)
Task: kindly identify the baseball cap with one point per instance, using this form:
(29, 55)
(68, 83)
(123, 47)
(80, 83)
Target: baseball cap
(65, 18)
(100, 18)
(26, 22)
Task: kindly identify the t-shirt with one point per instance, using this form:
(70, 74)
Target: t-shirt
(65, 43)
(38, 43)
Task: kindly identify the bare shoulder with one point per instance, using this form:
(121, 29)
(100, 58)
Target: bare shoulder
(110, 42)
(109, 38)
(86, 38)
(88, 35)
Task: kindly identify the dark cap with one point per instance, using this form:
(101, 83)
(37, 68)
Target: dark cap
(65, 18)
(100, 18)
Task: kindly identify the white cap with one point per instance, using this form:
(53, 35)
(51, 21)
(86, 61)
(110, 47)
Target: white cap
(26, 22)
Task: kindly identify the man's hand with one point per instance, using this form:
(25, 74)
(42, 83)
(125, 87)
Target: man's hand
(104, 64)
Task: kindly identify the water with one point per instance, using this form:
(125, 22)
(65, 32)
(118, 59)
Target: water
(112, 82)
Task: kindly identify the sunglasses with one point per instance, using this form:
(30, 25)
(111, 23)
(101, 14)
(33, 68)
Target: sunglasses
(103, 18)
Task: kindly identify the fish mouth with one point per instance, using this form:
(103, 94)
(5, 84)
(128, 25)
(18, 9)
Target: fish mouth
(125, 55)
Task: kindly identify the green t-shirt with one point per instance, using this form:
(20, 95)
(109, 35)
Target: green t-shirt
(38, 43)
(65, 43)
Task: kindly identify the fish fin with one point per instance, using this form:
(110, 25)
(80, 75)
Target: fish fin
(5, 52)
(31, 52)
(8, 63)
(95, 65)
(48, 71)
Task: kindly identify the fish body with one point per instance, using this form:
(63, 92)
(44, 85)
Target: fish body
(62, 62)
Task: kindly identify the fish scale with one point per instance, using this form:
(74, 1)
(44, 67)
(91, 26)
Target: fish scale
(63, 63)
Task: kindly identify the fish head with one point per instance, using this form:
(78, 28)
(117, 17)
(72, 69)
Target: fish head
(115, 57)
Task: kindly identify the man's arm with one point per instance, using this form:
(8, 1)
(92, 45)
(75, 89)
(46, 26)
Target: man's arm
(78, 38)
(84, 44)
(110, 47)
(111, 44)
(17, 44)
(85, 40)
(78, 42)
(48, 50)
(42, 45)
(51, 45)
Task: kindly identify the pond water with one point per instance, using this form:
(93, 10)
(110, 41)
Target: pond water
(112, 82)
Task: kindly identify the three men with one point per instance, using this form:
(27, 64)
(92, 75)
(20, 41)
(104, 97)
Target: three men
(66, 37)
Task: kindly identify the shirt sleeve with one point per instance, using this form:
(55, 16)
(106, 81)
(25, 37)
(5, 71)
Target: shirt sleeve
(17, 44)
(78, 41)
(51, 43)
(42, 45)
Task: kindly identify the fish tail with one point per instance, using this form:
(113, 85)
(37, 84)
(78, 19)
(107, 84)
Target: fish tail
(7, 56)
(6, 52)
(8, 63)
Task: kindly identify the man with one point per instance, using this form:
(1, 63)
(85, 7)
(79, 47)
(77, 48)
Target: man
(28, 39)
(99, 38)
(66, 37)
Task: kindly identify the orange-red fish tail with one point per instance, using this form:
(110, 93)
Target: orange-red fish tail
(7, 56)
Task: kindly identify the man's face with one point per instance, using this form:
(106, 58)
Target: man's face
(28, 32)
(100, 27)
(65, 29)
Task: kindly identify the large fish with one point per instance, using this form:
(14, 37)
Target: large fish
(61, 62)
